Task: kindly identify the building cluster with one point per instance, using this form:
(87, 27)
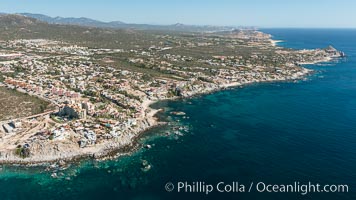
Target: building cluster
(97, 101)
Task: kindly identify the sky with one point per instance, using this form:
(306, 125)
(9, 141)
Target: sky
(260, 13)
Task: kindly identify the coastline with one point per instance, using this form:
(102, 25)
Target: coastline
(244, 129)
(127, 142)
(113, 149)
(99, 151)
(326, 59)
(275, 42)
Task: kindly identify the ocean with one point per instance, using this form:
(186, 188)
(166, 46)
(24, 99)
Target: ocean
(272, 133)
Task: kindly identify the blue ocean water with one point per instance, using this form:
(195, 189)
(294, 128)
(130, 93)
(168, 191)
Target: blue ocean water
(276, 133)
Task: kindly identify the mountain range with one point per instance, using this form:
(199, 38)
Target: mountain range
(82, 21)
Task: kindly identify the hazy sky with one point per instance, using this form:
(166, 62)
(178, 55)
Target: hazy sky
(262, 13)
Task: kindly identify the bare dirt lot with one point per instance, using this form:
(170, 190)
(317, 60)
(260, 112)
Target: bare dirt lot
(14, 104)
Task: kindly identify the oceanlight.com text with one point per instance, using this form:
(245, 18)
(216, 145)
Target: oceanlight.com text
(260, 187)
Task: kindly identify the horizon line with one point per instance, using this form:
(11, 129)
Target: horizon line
(157, 24)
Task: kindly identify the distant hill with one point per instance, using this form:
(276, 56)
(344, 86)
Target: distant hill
(15, 26)
(128, 36)
(17, 20)
(82, 21)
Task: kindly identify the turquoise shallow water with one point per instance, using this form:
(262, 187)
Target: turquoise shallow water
(272, 132)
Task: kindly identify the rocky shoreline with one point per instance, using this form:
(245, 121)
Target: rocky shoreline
(108, 153)
(112, 150)
(78, 144)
